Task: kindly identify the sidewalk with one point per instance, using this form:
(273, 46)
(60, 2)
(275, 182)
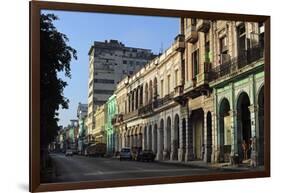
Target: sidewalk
(215, 166)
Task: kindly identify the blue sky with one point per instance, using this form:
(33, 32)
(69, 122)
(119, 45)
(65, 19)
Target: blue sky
(83, 29)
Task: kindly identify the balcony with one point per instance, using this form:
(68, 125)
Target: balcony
(146, 109)
(163, 101)
(179, 43)
(232, 65)
(178, 90)
(117, 119)
(203, 25)
(203, 78)
(130, 115)
(191, 35)
(178, 96)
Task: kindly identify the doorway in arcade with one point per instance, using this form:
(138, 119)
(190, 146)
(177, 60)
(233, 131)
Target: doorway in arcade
(197, 133)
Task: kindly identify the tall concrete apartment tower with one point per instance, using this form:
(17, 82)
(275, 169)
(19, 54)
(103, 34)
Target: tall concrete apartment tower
(109, 62)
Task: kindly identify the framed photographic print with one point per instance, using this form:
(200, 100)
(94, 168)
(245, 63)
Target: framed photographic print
(123, 96)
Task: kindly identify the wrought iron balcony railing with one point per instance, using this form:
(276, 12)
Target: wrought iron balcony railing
(130, 115)
(157, 103)
(145, 109)
(231, 65)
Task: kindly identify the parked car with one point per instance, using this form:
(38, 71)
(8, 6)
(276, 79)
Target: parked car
(98, 149)
(68, 152)
(125, 153)
(146, 155)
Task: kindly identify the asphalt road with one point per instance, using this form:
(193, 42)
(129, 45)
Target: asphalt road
(80, 168)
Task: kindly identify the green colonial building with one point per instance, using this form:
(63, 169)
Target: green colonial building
(239, 108)
(111, 111)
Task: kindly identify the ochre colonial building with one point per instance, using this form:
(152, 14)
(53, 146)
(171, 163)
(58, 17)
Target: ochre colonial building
(202, 99)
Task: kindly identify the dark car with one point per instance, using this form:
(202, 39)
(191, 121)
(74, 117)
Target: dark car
(146, 155)
(95, 150)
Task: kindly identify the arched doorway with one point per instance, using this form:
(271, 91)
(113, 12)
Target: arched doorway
(224, 139)
(209, 136)
(168, 138)
(198, 133)
(176, 143)
(183, 139)
(160, 140)
(145, 137)
(154, 147)
(260, 137)
(150, 137)
(243, 125)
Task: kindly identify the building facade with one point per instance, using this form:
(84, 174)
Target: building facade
(111, 111)
(202, 99)
(99, 131)
(109, 62)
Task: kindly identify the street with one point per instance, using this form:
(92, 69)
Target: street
(81, 168)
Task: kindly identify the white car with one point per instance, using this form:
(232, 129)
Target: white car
(125, 153)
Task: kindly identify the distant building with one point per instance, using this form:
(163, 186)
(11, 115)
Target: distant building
(109, 62)
(82, 111)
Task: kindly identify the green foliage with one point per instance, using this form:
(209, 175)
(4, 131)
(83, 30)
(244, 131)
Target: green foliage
(55, 57)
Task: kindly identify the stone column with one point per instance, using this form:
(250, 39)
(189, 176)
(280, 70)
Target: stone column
(159, 155)
(233, 133)
(144, 139)
(181, 150)
(154, 143)
(253, 110)
(253, 113)
(165, 152)
(205, 134)
(189, 139)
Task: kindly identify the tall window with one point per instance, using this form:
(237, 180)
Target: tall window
(193, 22)
(195, 63)
(261, 34)
(241, 32)
(168, 84)
(207, 48)
(176, 78)
(162, 88)
(224, 57)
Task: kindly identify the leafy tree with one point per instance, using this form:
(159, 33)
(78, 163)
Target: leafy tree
(55, 57)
